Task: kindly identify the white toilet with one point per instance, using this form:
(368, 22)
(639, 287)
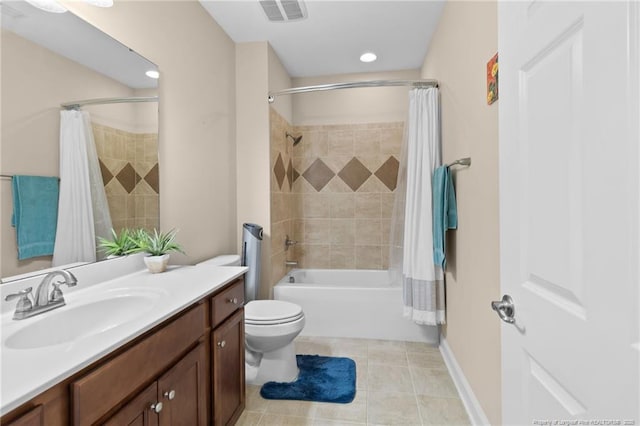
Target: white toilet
(270, 327)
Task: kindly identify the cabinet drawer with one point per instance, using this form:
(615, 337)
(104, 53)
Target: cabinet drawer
(227, 302)
(101, 390)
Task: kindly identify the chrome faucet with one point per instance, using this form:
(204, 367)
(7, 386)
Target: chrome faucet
(45, 300)
(288, 243)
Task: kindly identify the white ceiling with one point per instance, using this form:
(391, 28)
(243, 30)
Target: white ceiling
(73, 38)
(335, 33)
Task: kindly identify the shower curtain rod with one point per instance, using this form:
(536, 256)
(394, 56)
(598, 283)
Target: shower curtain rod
(370, 83)
(78, 104)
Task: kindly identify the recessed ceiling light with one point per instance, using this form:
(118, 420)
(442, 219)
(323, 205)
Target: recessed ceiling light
(368, 57)
(153, 74)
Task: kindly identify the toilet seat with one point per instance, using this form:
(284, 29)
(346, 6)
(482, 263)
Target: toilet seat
(274, 322)
(273, 331)
(271, 312)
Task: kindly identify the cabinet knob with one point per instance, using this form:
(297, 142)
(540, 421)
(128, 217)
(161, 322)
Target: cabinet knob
(170, 394)
(233, 300)
(222, 344)
(157, 407)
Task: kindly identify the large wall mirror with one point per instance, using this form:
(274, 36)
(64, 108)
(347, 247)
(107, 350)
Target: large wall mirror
(50, 59)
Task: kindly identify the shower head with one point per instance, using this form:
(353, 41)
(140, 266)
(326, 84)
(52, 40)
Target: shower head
(296, 139)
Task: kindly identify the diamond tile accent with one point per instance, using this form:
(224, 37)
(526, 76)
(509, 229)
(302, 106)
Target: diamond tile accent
(153, 179)
(279, 171)
(128, 177)
(295, 174)
(354, 174)
(290, 173)
(318, 174)
(104, 171)
(388, 172)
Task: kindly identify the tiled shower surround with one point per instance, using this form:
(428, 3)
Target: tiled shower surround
(281, 195)
(340, 202)
(129, 166)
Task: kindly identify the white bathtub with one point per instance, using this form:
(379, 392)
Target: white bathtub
(351, 303)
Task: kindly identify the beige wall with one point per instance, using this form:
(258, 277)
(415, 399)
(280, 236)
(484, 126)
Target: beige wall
(197, 115)
(351, 106)
(464, 42)
(146, 113)
(252, 135)
(279, 79)
(35, 81)
(259, 70)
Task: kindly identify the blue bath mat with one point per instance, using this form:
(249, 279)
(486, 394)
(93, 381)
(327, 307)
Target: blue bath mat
(321, 379)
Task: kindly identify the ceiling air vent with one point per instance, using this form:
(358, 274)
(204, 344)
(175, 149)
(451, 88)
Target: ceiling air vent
(283, 10)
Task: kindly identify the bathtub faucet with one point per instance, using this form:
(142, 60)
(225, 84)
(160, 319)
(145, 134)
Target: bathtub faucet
(288, 243)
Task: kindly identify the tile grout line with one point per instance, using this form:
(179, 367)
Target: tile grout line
(415, 394)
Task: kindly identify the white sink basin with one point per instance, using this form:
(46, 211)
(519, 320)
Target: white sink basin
(75, 321)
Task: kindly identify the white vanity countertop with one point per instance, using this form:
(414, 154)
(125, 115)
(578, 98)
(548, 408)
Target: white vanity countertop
(25, 373)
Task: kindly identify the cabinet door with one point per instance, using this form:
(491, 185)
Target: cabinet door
(32, 418)
(183, 391)
(228, 369)
(139, 411)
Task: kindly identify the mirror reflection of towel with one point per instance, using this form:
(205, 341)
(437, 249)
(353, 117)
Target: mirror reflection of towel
(445, 213)
(35, 214)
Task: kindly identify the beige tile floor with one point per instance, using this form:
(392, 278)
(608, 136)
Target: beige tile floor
(397, 383)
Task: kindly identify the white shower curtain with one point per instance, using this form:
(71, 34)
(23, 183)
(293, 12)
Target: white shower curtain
(83, 212)
(411, 256)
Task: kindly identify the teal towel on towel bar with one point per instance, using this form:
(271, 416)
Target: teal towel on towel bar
(35, 214)
(445, 213)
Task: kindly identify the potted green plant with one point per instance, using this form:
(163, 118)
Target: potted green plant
(120, 244)
(157, 245)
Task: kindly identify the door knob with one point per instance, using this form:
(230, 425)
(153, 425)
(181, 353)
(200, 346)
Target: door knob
(170, 394)
(222, 344)
(505, 309)
(233, 300)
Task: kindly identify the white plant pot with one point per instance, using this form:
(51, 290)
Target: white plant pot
(157, 264)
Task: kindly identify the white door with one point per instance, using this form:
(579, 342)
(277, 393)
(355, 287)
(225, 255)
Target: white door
(569, 218)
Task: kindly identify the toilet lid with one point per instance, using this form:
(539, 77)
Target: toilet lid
(271, 312)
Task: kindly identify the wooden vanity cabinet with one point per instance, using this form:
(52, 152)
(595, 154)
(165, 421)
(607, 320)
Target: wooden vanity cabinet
(137, 412)
(227, 355)
(227, 346)
(50, 408)
(178, 397)
(192, 364)
(34, 417)
(183, 391)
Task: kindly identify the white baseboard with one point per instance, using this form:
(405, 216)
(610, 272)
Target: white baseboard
(469, 400)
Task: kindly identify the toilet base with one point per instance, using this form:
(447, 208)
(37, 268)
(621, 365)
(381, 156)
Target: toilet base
(276, 366)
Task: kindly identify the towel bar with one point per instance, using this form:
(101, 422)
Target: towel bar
(462, 162)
